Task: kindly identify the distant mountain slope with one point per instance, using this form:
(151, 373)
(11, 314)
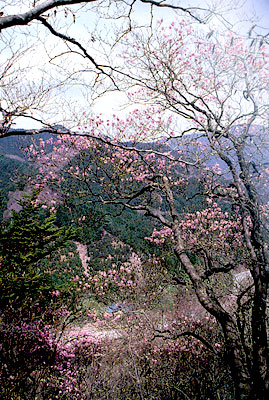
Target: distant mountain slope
(16, 144)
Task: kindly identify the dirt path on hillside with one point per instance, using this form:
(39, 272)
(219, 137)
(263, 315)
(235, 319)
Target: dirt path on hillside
(83, 255)
(14, 157)
(91, 331)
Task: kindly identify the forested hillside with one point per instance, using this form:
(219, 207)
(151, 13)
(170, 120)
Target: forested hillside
(141, 280)
(116, 266)
(92, 218)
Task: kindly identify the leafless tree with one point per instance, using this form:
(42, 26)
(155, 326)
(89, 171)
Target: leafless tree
(54, 61)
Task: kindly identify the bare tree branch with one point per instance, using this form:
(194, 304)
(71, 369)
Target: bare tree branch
(174, 336)
(79, 45)
(35, 12)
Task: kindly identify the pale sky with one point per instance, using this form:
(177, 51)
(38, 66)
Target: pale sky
(258, 10)
(247, 13)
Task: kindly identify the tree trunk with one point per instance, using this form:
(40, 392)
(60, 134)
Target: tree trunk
(259, 372)
(235, 358)
(249, 382)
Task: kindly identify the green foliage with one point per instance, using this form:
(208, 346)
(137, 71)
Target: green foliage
(29, 237)
(14, 175)
(95, 219)
(192, 198)
(88, 218)
(132, 228)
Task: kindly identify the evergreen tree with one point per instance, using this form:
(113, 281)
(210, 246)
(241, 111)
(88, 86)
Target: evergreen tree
(25, 241)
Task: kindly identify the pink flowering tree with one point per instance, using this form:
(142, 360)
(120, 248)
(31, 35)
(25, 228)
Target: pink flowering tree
(216, 90)
(208, 125)
(58, 32)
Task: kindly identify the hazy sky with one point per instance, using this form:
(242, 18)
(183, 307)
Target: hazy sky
(258, 10)
(242, 13)
(262, 8)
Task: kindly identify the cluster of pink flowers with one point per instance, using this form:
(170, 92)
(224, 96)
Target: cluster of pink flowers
(217, 231)
(213, 228)
(115, 280)
(160, 236)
